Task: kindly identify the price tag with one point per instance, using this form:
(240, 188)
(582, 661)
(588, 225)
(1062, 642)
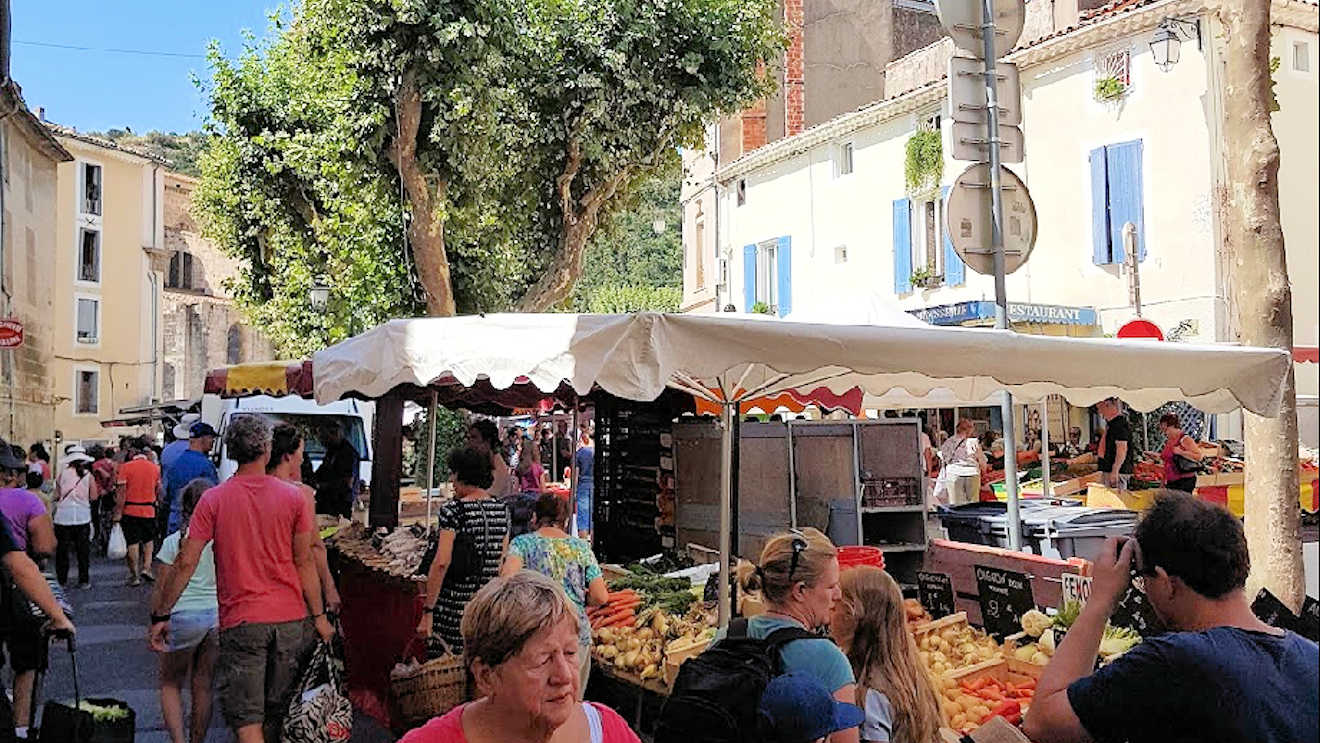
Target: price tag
(1076, 588)
(1005, 596)
(936, 592)
(1308, 625)
(1269, 609)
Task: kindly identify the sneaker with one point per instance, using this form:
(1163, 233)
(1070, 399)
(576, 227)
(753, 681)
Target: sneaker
(134, 581)
(85, 584)
(148, 577)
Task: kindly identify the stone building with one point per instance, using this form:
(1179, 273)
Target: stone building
(202, 329)
(29, 157)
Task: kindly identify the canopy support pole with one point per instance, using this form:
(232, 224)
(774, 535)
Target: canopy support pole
(729, 418)
(430, 458)
(575, 439)
(1045, 489)
(388, 466)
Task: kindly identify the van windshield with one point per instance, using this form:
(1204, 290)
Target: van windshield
(310, 424)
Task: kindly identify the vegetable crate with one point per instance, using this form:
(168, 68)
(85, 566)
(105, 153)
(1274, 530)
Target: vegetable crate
(957, 619)
(967, 699)
(674, 658)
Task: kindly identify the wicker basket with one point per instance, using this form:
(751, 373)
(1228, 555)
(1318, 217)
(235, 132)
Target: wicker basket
(431, 689)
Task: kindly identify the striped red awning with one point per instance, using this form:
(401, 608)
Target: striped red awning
(1306, 354)
(795, 401)
(274, 378)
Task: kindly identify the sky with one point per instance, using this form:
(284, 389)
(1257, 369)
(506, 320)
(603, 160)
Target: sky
(100, 89)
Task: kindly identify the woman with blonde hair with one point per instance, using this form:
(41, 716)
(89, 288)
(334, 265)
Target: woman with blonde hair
(798, 577)
(892, 686)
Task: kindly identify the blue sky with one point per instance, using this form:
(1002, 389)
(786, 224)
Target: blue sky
(97, 90)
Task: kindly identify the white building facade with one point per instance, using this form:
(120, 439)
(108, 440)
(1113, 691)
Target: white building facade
(825, 217)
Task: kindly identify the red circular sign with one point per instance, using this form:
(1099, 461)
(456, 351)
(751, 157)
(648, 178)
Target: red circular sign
(11, 333)
(1141, 329)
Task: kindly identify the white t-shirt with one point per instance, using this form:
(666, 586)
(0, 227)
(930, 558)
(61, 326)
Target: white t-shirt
(962, 456)
(73, 499)
(878, 727)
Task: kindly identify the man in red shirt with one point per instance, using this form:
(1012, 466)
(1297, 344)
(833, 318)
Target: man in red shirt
(136, 493)
(266, 583)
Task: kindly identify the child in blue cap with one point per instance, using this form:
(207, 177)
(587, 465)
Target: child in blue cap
(796, 708)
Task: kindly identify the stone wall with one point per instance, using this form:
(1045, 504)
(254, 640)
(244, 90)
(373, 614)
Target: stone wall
(918, 68)
(201, 327)
(27, 399)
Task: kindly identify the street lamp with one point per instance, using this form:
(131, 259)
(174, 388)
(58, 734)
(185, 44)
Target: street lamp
(319, 294)
(1166, 44)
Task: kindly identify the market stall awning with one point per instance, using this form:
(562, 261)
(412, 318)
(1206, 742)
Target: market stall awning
(792, 400)
(1306, 354)
(274, 378)
(637, 356)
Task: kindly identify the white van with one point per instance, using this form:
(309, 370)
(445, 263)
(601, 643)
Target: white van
(355, 418)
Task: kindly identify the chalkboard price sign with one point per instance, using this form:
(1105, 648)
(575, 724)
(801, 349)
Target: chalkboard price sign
(1135, 612)
(1269, 609)
(1005, 596)
(936, 591)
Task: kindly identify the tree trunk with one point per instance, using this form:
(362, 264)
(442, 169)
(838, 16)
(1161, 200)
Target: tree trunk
(1262, 297)
(426, 231)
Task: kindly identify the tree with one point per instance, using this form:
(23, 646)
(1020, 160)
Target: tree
(497, 134)
(1261, 296)
(179, 150)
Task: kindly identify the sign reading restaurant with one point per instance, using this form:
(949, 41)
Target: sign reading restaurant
(971, 312)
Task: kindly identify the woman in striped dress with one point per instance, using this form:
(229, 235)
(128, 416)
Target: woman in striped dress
(472, 537)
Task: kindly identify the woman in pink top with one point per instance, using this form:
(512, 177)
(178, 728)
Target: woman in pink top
(531, 475)
(520, 641)
(1177, 444)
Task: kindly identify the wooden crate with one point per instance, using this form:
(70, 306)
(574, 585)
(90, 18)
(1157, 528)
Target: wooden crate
(953, 620)
(675, 660)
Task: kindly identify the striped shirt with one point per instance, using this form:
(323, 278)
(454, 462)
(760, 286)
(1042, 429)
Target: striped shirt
(487, 521)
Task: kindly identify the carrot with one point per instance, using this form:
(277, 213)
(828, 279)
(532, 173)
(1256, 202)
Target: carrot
(975, 685)
(1008, 710)
(626, 617)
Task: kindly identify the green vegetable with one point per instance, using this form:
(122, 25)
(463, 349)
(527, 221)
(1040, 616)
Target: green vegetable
(1068, 614)
(650, 584)
(1116, 641)
(103, 714)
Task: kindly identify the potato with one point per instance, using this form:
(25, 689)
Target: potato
(645, 633)
(606, 635)
(952, 708)
(938, 657)
(958, 722)
(978, 712)
(925, 658)
(949, 634)
(967, 648)
(608, 652)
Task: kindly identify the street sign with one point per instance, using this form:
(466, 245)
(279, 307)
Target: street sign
(967, 219)
(967, 91)
(972, 143)
(11, 333)
(1141, 329)
(962, 20)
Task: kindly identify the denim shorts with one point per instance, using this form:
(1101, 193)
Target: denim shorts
(188, 628)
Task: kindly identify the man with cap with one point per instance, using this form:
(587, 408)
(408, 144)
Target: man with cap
(193, 462)
(181, 432)
(796, 708)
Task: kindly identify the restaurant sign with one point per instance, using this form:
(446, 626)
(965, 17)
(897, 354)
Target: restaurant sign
(967, 312)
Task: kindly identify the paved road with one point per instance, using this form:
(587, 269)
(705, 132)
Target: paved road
(114, 660)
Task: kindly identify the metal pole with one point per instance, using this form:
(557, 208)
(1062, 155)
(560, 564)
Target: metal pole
(997, 244)
(430, 460)
(1045, 447)
(729, 417)
(575, 438)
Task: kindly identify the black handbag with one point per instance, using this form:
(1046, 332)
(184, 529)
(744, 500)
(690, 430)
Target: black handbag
(1186, 465)
(466, 560)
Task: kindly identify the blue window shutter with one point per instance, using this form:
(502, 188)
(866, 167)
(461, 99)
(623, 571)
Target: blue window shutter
(902, 246)
(784, 271)
(1099, 208)
(955, 271)
(1123, 162)
(749, 277)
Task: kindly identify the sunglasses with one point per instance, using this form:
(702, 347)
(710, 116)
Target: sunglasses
(799, 546)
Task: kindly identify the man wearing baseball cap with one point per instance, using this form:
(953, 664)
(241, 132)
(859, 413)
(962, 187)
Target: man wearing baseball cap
(796, 708)
(182, 431)
(194, 462)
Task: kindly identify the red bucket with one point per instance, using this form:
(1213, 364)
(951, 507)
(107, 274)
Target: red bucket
(851, 557)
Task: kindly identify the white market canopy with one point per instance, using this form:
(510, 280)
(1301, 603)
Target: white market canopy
(724, 357)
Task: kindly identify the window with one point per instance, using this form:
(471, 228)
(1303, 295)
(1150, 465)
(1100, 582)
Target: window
(922, 246)
(88, 311)
(742, 191)
(167, 376)
(1116, 200)
(843, 159)
(180, 275)
(1301, 56)
(86, 391)
(91, 189)
(841, 254)
(767, 275)
(699, 249)
(1116, 64)
(89, 254)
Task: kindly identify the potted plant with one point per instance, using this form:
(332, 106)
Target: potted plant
(925, 278)
(761, 308)
(923, 164)
(1109, 88)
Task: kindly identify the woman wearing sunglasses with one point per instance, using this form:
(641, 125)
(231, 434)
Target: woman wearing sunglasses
(798, 577)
